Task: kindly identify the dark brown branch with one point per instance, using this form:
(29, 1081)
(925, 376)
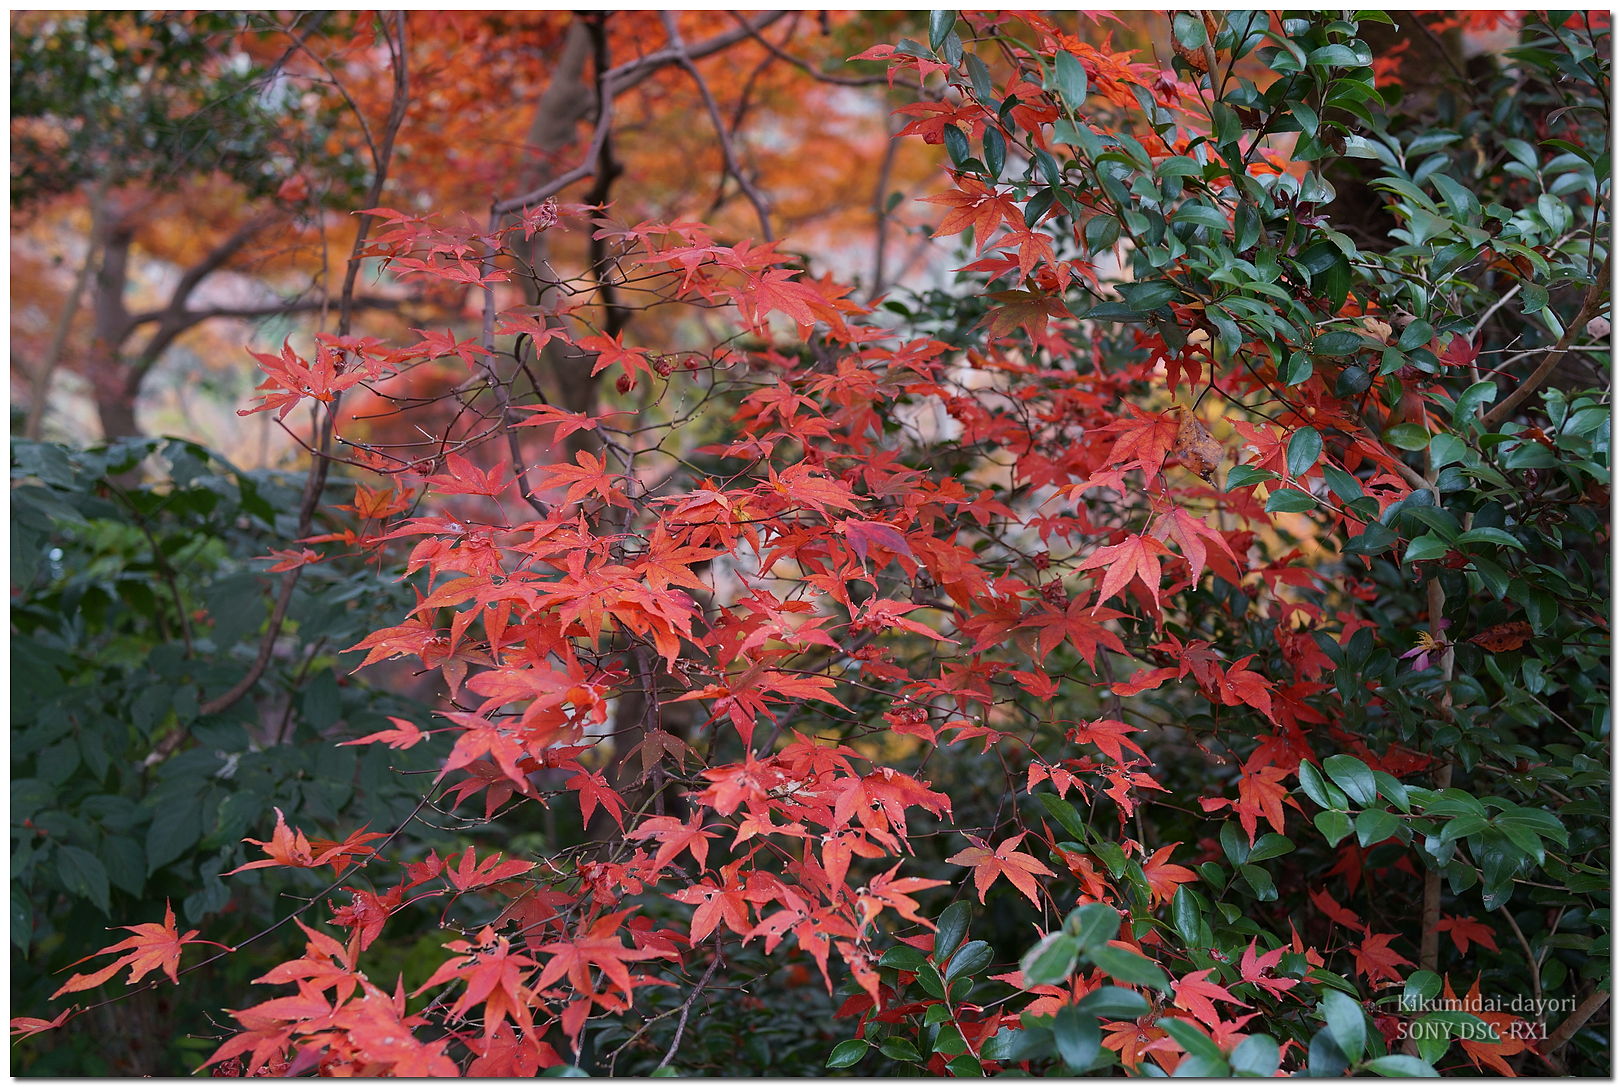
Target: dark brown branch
(1590, 306)
(733, 166)
(315, 482)
(614, 82)
(820, 76)
(1589, 1007)
(880, 211)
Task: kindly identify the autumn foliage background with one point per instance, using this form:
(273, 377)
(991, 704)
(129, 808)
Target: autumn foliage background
(797, 543)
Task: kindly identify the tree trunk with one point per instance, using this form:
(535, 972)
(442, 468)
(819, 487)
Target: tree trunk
(109, 379)
(569, 99)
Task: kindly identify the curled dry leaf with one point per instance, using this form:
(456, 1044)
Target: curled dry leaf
(1503, 637)
(1197, 450)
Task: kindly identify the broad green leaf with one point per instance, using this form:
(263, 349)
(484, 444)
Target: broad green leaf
(1051, 961)
(1304, 449)
(1192, 1039)
(1078, 1037)
(1092, 924)
(1348, 1022)
(1334, 825)
(1352, 775)
(1399, 1064)
(847, 1052)
(973, 956)
(952, 926)
(1112, 1002)
(1128, 966)
(1071, 80)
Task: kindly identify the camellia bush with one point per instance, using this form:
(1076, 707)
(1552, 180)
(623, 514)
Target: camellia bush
(1178, 645)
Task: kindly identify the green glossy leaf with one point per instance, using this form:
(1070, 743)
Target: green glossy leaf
(1092, 924)
(1078, 1037)
(1051, 961)
(1128, 966)
(847, 1052)
(1352, 775)
(952, 926)
(973, 956)
(1374, 825)
(1192, 1039)
(1304, 450)
(1399, 1064)
(1290, 501)
(1256, 1055)
(1334, 825)
(1348, 1022)
(1112, 1002)
(1071, 80)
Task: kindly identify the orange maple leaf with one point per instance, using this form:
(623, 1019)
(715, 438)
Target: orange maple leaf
(1133, 557)
(989, 864)
(1111, 737)
(1376, 960)
(1163, 877)
(1466, 930)
(1261, 792)
(1198, 994)
(152, 947)
(975, 205)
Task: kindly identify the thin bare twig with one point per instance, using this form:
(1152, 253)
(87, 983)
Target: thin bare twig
(614, 82)
(733, 166)
(315, 482)
(1590, 306)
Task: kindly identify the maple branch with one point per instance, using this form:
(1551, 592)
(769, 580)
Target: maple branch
(733, 166)
(880, 209)
(686, 1007)
(613, 82)
(1577, 1019)
(40, 381)
(1429, 942)
(1590, 307)
(320, 464)
(1535, 969)
(820, 76)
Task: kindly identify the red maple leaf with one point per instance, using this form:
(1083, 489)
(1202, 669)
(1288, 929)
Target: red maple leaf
(1376, 960)
(1260, 970)
(675, 838)
(1335, 912)
(153, 947)
(24, 1026)
(403, 735)
(975, 205)
(494, 977)
(1163, 877)
(593, 789)
(586, 476)
(597, 946)
(1466, 930)
(1111, 737)
(463, 477)
(1133, 557)
(716, 902)
(1198, 994)
(1004, 860)
(1261, 792)
(469, 873)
